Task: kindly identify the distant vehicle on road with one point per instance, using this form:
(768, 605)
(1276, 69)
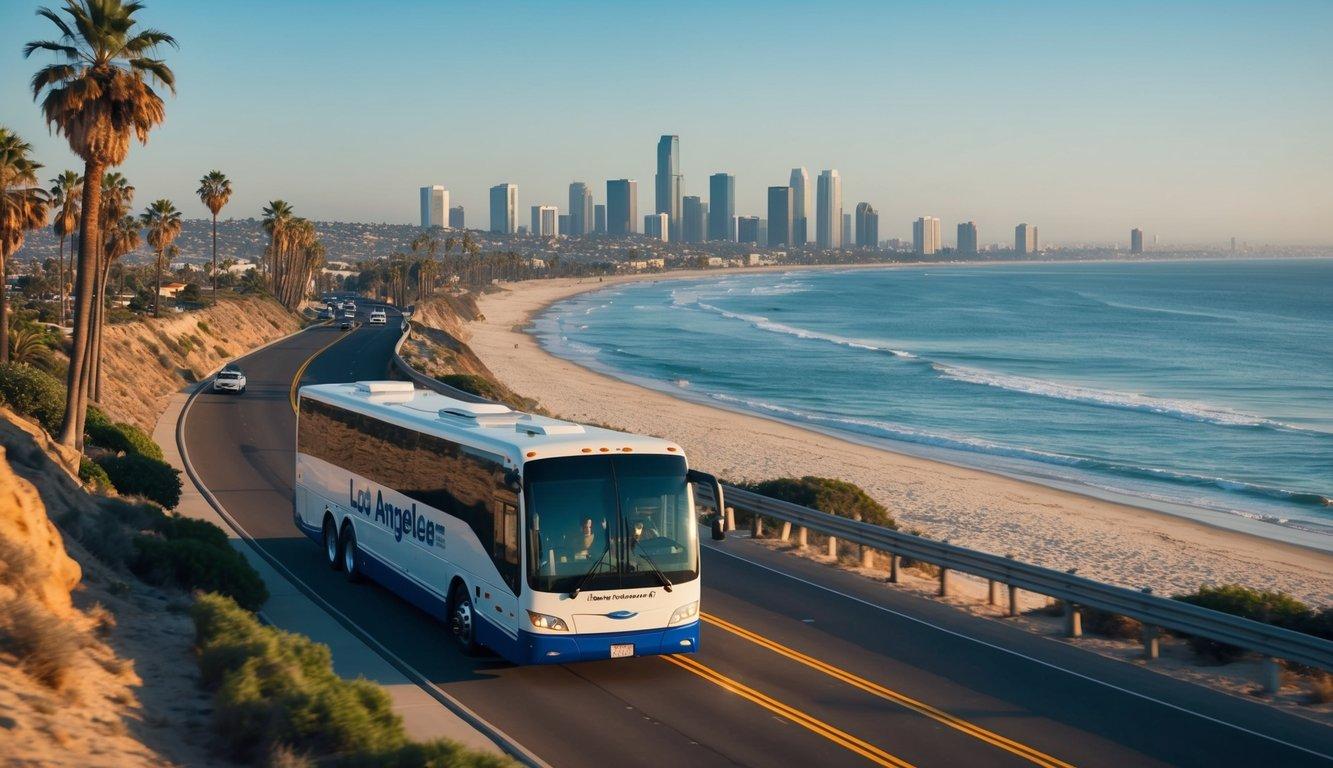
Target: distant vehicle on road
(230, 379)
(345, 325)
(378, 317)
(544, 540)
(349, 313)
(325, 314)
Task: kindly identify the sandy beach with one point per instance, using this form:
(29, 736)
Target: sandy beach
(1117, 543)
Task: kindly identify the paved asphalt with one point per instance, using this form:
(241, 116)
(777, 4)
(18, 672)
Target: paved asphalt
(913, 682)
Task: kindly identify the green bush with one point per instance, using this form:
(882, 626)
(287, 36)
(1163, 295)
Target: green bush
(825, 494)
(1109, 624)
(137, 475)
(91, 473)
(277, 692)
(194, 563)
(120, 437)
(33, 393)
(474, 385)
(1276, 608)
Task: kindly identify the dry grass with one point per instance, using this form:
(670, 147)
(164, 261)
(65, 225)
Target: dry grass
(47, 647)
(1320, 687)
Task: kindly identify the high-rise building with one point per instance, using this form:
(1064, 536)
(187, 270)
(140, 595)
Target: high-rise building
(694, 212)
(781, 218)
(926, 235)
(1136, 240)
(434, 206)
(828, 211)
(847, 229)
(803, 205)
(545, 221)
(967, 237)
(622, 206)
(721, 206)
(456, 217)
(504, 208)
(668, 181)
(867, 226)
(747, 229)
(562, 225)
(1036, 240)
(657, 226)
(580, 209)
(599, 219)
(1023, 239)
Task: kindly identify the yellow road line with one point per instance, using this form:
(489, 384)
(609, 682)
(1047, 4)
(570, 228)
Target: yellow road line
(296, 380)
(938, 715)
(843, 739)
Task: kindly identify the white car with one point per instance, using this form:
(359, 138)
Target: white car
(229, 380)
(378, 317)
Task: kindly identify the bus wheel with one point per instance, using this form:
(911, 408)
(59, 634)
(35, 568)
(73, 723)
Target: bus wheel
(462, 624)
(351, 554)
(332, 548)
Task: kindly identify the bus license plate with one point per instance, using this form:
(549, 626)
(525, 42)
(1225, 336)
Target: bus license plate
(622, 650)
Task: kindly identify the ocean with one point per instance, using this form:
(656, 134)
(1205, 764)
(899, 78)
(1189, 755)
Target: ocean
(1200, 388)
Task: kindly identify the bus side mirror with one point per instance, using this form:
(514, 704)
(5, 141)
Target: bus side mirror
(720, 522)
(719, 528)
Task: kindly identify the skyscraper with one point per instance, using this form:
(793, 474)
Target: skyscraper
(545, 221)
(657, 226)
(847, 229)
(747, 229)
(668, 181)
(828, 211)
(781, 220)
(1022, 239)
(599, 219)
(580, 209)
(721, 206)
(504, 208)
(867, 226)
(1036, 239)
(926, 235)
(622, 206)
(803, 204)
(693, 213)
(456, 217)
(434, 206)
(967, 237)
(1136, 240)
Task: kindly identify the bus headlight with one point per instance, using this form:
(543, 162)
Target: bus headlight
(542, 621)
(684, 613)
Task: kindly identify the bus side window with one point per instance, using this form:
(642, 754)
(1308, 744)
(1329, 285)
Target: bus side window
(505, 547)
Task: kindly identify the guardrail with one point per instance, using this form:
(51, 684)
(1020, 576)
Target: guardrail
(421, 379)
(1077, 592)
(1154, 612)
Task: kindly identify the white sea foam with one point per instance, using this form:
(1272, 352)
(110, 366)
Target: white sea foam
(764, 324)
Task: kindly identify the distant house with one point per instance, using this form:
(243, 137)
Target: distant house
(171, 290)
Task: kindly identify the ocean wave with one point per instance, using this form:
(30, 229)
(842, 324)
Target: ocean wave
(877, 428)
(764, 324)
(1185, 410)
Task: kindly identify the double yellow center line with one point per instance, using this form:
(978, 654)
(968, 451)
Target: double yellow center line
(860, 746)
(296, 380)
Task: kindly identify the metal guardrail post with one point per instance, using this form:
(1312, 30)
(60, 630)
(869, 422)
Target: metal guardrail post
(867, 557)
(1152, 641)
(944, 581)
(731, 518)
(757, 527)
(1013, 600)
(1073, 620)
(786, 530)
(1272, 675)
(802, 537)
(993, 592)
(895, 562)
(833, 547)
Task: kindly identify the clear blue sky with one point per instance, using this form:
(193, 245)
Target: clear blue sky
(1196, 121)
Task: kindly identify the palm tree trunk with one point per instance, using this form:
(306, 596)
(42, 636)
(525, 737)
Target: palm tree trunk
(60, 310)
(99, 325)
(71, 426)
(4, 304)
(215, 257)
(157, 275)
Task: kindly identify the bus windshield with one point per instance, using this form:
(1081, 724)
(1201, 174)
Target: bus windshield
(611, 519)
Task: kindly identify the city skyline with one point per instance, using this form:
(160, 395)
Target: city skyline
(1225, 137)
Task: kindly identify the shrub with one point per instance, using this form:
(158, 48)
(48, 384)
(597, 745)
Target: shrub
(33, 393)
(1110, 624)
(137, 475)
(193, 563)
(277, 693)
(190, 293)
(121, 438)
(46, 647)
(474, 385)
(837, 497)
(1276, 608)
(91, 473)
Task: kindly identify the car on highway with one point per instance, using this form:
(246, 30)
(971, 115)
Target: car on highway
(345, 325)
(230, 379)
(378, 317)
(325, 314)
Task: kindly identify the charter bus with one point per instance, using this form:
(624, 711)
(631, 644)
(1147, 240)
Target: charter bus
(543, 540)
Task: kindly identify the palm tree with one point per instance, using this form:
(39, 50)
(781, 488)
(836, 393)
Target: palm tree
(214, 192)
(98, 95)
(162, 223)
(23, 207)
(277, 221)
(120, 236)
(66, 189)
(28, 346)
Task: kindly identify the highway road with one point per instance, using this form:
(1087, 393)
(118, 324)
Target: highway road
(799, 663)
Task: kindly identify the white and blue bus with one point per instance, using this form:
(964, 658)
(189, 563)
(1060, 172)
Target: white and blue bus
(543, 540)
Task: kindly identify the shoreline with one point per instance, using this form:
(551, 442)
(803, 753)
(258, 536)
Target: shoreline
(1109, 539)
